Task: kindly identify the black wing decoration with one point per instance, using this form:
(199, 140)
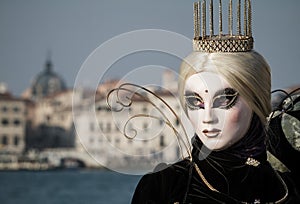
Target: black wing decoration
(284, 130)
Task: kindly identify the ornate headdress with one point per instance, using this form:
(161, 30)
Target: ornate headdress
(230, 42)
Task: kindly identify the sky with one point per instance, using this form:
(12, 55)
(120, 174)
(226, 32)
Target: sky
(70, 30)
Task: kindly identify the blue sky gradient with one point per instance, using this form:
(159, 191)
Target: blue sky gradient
(72, 29)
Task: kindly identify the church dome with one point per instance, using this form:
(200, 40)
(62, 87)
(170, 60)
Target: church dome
(47, 82)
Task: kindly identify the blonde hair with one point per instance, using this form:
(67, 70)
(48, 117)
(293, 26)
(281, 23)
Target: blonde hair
(247, 72)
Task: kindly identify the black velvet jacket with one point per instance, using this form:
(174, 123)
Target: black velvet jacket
(176, 184)
(226, 171)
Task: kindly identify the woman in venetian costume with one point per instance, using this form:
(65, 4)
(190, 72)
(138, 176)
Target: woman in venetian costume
(225, 89)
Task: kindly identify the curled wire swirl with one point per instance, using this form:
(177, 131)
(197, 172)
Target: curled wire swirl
(142, 93)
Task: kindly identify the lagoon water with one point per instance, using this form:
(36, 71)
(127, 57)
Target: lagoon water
(66, 187)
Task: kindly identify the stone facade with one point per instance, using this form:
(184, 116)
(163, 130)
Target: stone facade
(12, 124)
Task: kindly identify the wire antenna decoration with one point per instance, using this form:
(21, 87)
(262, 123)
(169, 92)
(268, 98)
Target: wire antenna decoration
(237, 41)
(124, 96)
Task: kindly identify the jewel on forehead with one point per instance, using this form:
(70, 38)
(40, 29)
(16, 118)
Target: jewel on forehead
(206, 91)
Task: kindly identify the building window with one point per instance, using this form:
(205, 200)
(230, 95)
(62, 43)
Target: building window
(145, 127)
(17, 122)
(99, 108)
(16, 140)
(177, 122)
(162, 141)
(4, 140)
(161, 122)
(145, 109)
(16, 109)
(4, 109)
(48, 118)
(5, 122)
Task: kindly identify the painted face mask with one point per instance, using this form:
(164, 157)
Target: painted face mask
(217, 112)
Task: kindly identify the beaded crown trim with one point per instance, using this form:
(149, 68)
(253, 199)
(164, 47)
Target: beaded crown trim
(230, 42)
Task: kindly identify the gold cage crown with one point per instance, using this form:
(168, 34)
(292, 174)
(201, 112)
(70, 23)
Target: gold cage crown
(230, 42)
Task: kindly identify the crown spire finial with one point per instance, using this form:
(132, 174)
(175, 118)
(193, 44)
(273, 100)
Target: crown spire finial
(245, 18)
(230, 18)
(203, 18)
(249, 18)
(211, 18)
(196, 21)
(233, 41)
(48, 64)
(239, 17)
(220, 19)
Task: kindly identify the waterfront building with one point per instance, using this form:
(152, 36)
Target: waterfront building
(100, 129)
(46, 83)
(12, 123)
(52, 125)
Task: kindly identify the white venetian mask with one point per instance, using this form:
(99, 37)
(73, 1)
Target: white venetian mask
(218, 114)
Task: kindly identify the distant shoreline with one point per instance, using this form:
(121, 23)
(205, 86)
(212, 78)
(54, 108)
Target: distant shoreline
(42, 167)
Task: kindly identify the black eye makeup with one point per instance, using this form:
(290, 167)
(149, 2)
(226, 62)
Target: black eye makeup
(194, 101)
(223, 99)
